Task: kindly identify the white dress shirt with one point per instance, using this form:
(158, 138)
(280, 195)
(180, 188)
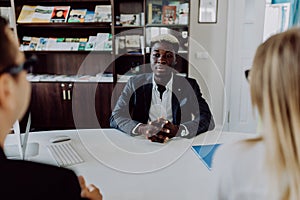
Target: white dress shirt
(161, 107)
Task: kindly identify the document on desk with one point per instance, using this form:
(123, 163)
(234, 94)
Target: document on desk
(205, 153)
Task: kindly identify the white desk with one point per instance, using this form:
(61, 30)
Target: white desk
(125, 167)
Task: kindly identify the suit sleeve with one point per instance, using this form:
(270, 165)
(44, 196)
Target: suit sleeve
(121, 118)
(71, 188)
(203, 120)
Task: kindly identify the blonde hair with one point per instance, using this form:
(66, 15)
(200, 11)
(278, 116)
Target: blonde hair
(275, 91)
(167, 38)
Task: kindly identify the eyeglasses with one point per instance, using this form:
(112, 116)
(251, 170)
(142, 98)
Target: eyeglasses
(16, 69)
(247, 73)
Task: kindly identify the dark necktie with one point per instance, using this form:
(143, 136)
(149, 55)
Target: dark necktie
(161, 90)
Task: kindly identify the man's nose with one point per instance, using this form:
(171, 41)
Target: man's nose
(162, 60)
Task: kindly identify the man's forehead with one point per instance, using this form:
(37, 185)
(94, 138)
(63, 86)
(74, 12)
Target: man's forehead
(163, 47)
(162, 50)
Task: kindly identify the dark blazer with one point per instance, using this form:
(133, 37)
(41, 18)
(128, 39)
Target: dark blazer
(188, 105)
(33, 181)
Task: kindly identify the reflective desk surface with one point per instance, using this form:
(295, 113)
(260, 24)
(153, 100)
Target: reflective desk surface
(126, 167)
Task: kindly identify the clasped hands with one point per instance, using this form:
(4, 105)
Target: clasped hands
(160, 130)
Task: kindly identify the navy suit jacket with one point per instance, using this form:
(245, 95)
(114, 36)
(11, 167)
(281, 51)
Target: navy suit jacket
(188, 105)
(28, 180)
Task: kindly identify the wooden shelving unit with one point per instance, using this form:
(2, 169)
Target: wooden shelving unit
(52, 105)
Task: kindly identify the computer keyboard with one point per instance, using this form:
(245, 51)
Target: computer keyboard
(64, 154)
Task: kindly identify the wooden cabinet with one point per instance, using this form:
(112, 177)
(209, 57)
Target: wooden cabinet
(91, 104)
(68, 105)
(66, 102)
(51, 106)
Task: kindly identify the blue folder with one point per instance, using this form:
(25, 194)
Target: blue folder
(205, 153)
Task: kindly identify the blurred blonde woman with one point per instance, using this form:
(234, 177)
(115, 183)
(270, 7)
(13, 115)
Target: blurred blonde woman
(267, 167)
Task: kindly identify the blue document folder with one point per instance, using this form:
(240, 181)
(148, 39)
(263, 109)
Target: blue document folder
(205, 153)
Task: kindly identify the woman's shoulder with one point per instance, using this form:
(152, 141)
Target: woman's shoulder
(238, 151)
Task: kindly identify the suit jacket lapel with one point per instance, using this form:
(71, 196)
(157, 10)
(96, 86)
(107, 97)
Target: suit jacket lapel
(176, 96)
(147, 98)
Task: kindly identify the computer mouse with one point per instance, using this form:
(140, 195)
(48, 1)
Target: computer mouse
(60, 138)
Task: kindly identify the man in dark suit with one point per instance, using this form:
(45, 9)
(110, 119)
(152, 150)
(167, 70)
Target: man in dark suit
(23, 179)
(162, 105)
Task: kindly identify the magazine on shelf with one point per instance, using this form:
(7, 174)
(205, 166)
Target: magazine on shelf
(77, 15)
(26, 14)
(42, 44)
(51, 44)
(60, 14)
(89, 16)
(25, 43)
(132, 41)
(42, 14)
(102, 13)
(61, 44)
(81, 46)
(103, 42)
(183, 13)
(154, 13)
(71, 39)
(130, 19)
(68, 46)
(169, 15)
(108, 43)
(177, 4)
(91, 43)
(120, 44)
(33, 43)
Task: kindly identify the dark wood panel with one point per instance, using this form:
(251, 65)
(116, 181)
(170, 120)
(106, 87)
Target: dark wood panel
(48, 109)
(104, 103)
(52, 2)
(91, 105)
(5, 3)
(61, 32)
(85, 25)
(126, 64)
(116, 93)
(130, 7)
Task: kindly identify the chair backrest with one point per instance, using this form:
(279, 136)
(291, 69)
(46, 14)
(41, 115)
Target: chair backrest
(16, 127)
(16, 130)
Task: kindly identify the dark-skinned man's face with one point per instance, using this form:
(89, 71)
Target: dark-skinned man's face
(163, 59)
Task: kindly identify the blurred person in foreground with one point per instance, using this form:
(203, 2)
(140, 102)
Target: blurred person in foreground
(267, 167)
(24, 179)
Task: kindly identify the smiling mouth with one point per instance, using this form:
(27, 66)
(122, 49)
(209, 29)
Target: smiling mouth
(161, 67)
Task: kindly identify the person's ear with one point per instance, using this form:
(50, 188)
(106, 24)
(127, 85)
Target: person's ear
(7, 92)
(175, 58)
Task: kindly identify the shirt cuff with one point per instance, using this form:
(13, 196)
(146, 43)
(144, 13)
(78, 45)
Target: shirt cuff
(186, 131)
(134, 130)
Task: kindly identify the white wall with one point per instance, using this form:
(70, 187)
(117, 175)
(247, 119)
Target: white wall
(209, 72)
